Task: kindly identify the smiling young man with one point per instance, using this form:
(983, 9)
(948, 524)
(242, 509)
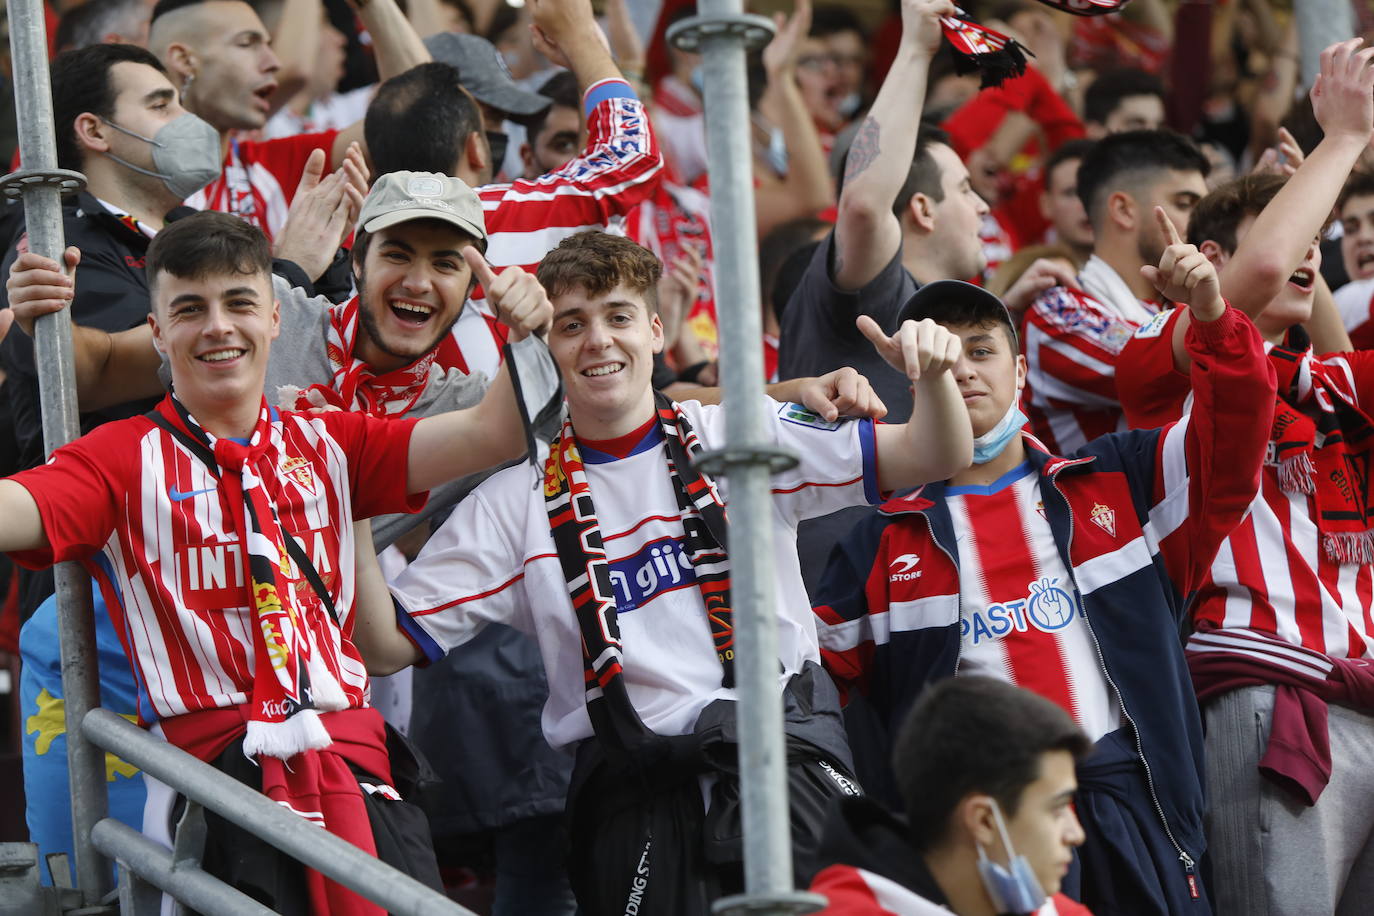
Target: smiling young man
(613, 556)
(1069, 576)
(1281, 637)
(220, 532)
(986, 771)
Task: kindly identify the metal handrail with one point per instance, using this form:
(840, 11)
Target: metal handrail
(313, 846)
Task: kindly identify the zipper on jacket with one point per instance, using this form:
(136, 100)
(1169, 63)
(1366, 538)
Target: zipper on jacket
(959, 598)
(1183, 857)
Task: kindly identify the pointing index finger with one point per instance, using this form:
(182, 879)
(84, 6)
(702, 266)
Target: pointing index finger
(1168, 226)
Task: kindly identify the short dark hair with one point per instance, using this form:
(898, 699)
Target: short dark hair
(775, 250)
(1072, 149)
(81, 83)
(831, 20)
(1217, 215)
(420, 120)
(207, 244)
(164, 7)
(975, 734)
(1359, 184)
(1129, 159)
(598, 262)
(562, 88)
(924, 175)
(1106, 92)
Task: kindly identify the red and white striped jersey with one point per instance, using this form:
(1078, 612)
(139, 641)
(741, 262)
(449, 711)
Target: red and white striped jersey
(526, 219)
(149, 522)
(620, 167)
(260, 178)
(1272, 574)
(1021, 617)
(1071, 340)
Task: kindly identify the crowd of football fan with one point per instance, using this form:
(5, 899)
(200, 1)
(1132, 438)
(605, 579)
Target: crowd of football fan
(396, 341)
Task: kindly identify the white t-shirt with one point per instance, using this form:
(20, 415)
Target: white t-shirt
(494, 561)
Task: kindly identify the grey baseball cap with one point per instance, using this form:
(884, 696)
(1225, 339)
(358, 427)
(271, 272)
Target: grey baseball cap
(399, 197)
(483, 72)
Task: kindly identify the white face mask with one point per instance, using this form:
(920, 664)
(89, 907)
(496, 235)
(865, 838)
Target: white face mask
(991, 443)
(186, 154)
(1012, 888)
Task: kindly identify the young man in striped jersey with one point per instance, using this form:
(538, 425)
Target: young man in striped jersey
(220, 530)
(1069, 576)
(1073, 333)
(1283, 618)
(613, 556)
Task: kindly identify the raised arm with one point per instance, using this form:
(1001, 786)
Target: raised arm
(462, 442)
(937, 442)
(565, 31)
(1218, 450)
(867, 233)
(110, 368)
(806, 189)
(397, 48)
(1343, 102)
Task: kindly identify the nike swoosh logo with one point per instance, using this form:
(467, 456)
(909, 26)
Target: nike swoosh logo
(178, 496)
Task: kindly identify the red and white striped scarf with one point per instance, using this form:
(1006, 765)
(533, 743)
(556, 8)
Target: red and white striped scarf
(356, 386)
(292, 678)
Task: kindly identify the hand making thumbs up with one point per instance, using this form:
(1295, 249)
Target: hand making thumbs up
(516, 296)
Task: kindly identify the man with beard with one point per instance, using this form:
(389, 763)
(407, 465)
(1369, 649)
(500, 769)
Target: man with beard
(1074, 333)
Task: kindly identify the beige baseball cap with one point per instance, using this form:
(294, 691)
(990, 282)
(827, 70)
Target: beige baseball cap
(398, 197)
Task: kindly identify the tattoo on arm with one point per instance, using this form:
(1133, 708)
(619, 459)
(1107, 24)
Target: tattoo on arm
(864, 150)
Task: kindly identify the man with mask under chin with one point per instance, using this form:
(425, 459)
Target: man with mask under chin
(1069, 576)
(987, 773)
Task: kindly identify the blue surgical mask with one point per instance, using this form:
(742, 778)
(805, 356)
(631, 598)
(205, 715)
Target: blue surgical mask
(1012, 888)
(990, 444)
(777, 151)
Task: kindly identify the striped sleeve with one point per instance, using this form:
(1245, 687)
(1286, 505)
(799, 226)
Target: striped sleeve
(852, 613)
(1208, 466)
(620, 167)
(1071, 348)
(468, 574)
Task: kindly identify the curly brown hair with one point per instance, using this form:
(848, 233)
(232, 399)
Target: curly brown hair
(598, 262)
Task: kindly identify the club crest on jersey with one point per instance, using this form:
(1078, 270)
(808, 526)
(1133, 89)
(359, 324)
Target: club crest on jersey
(903, 569)
(802, 416)
(1104, 517)
(1046, 608)
(298, 469)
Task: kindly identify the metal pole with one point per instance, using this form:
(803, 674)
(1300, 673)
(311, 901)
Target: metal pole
(41, 185)
(313, 846)
(1320, 23)
(721, 31)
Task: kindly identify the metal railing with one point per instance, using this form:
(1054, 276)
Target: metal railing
(722, 32)
(178, 872)
(145, 866)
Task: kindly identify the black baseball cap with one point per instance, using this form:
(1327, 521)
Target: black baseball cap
(956, 302)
